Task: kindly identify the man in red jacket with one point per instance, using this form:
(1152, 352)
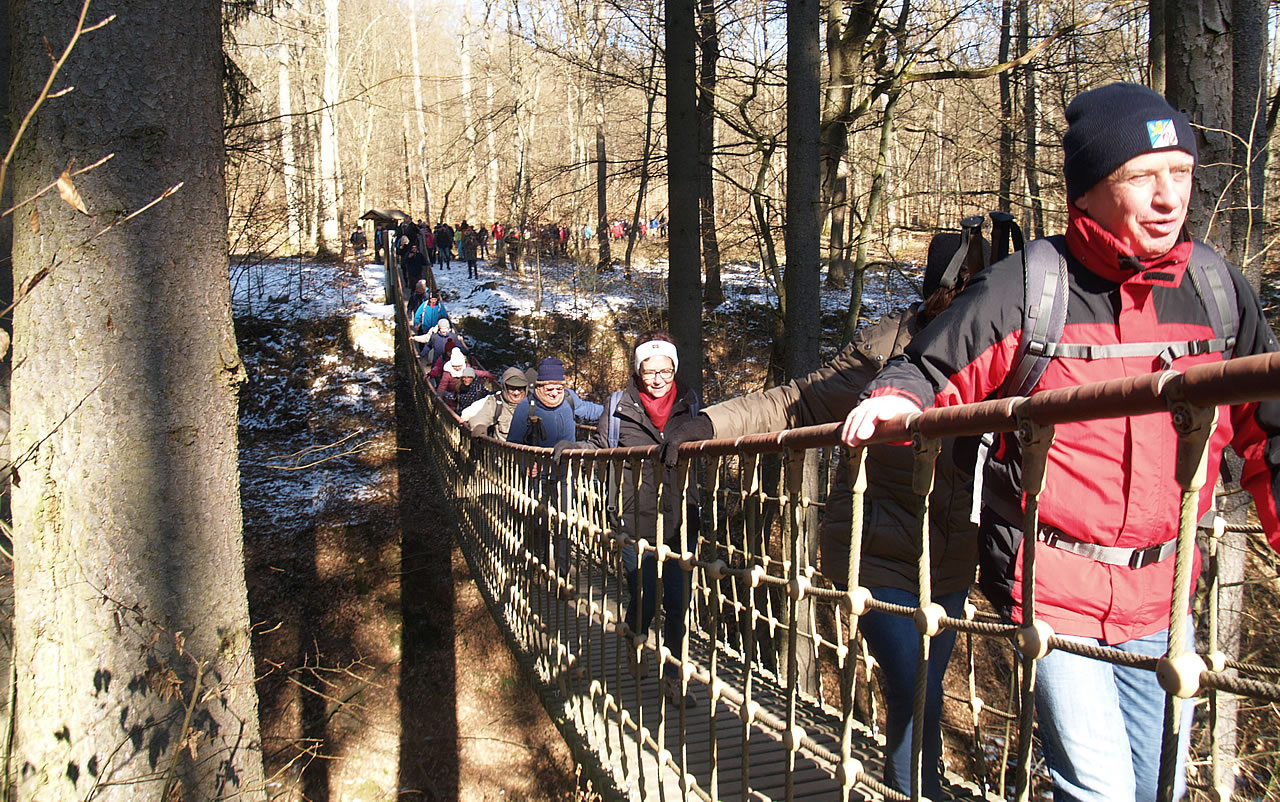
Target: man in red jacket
(1104, 571)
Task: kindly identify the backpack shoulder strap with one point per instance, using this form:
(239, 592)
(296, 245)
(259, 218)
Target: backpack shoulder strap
(1211, 278)
(614, 424)
(1044, 313)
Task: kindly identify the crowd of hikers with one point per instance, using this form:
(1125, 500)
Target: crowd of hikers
(443, 244)
(1125, 292)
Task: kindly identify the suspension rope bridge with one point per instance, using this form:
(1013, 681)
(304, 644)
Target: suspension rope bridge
(781, 681)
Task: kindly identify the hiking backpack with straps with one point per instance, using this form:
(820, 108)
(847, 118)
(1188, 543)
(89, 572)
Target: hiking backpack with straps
(1044, 312)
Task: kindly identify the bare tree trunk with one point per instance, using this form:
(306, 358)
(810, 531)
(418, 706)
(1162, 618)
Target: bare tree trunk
(366, 139)
(420, 162)
(468, 113)
(1198, 81)
(646, 155)
(602, 189)
(713, 292)
(875, 202)
(684, 277)
(289, 165)
(1031, 118)
(804, 216)
(846, 37)
(132, 621)
(1156, 44)
(1004, 197)
(330, 193)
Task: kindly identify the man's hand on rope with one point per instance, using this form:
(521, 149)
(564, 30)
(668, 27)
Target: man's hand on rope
(683, 430)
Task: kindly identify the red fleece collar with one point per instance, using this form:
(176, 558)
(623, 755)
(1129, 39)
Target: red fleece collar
(1101, 252)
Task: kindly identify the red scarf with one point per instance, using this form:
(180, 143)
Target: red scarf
(658, 409)
(1104, 254)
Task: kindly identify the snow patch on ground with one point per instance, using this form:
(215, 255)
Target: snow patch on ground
(581, 292)
(293, 290)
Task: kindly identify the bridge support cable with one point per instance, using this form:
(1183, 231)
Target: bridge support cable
(772, 696)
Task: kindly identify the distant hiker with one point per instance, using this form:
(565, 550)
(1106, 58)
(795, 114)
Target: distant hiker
(358, 241)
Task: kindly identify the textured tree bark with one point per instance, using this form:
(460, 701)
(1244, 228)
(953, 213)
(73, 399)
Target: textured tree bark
(330, 194)
(709, 43)
(133, 647)
(1198, 81)
(684, 276)
(421, 158)
(1007, 156)
(803, 314)
(289, 164)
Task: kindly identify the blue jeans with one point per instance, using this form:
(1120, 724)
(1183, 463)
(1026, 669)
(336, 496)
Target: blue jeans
(895, 644)
(642, 585)
(1101, 724)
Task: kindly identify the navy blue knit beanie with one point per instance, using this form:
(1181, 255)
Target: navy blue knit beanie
(551, 370)
(1108, 126)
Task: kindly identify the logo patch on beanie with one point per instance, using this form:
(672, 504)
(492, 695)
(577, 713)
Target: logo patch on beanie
(1162, 133)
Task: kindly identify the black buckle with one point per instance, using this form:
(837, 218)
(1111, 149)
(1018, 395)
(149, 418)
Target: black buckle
(1141, 558)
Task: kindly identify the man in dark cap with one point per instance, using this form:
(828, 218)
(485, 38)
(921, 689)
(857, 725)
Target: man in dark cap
(1109, 513)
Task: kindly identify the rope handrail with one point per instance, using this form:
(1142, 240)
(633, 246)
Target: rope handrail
(772, 643)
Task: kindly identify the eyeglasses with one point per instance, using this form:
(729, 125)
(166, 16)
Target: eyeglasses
(665, 373)
(511, 388)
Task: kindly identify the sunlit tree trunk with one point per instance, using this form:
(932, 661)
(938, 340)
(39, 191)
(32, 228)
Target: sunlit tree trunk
(709, 40)
(288, 161)
(330, 192)
(684, 277)
(1031, 121)
(420, 160)
(132, 622)
(468, 113)
(1004, 195)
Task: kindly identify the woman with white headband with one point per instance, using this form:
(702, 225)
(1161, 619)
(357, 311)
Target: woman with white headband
(653, 401)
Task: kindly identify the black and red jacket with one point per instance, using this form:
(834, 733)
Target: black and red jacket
(1109, 481)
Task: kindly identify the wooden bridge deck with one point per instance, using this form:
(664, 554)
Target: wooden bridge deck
(609, 706)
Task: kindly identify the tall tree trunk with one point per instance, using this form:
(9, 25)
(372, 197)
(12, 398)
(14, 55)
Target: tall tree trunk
(288, 159)
(1198, 81)
(132, 621)
(330, 194)
(420, 160)
(468, 113)
(684, 276)
(1004, 196)
(1030, 119)
(1156, 45)
(638, 218)
(803, 315)
(875, 202)
(602, 188)
(846, 37)
(713, 292)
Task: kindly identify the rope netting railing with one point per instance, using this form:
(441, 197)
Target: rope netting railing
(774, 695)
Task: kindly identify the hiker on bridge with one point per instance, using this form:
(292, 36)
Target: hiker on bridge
(1109, 514)
(636, 417)
(891, 540)
(491, 415)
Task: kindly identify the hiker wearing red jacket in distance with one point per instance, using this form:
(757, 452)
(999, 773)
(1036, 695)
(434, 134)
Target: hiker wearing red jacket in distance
(1109, 513)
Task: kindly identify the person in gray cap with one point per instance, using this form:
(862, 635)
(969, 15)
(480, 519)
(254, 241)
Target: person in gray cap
(491, 415)
(1109, 513)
